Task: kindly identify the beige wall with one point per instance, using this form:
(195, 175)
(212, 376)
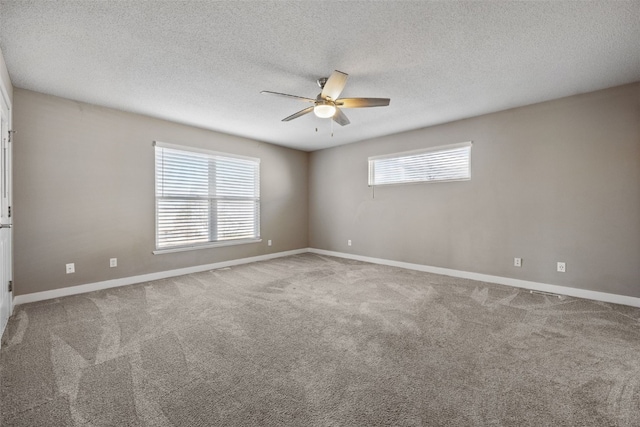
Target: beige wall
(556, 181)
(84, 193)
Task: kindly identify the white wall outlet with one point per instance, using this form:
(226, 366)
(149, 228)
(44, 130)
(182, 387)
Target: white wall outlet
(113, 262)
(268, 242)
(517, 262)
(562, 267)
(349, 242)
(71, 268)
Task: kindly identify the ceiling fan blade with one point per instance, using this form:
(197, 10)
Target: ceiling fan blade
(299, 98)
(362, 102)
(340, 118)
(298, 114)
(334, 85)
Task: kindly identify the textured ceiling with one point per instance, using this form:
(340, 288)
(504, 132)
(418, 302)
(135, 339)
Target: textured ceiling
(205, 63)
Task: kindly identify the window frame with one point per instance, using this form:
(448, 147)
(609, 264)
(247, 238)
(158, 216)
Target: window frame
(209, 244)
(439, 148)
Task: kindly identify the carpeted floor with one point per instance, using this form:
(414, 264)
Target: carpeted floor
(311, 340)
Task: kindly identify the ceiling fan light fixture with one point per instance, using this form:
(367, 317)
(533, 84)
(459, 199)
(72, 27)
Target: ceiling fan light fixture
(324, 111)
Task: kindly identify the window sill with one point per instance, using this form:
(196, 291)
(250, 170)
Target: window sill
(206, 246)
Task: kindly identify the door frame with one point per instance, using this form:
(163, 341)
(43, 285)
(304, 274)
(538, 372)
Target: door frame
(6, 110)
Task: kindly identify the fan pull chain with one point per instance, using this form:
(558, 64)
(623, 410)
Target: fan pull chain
(332, 127)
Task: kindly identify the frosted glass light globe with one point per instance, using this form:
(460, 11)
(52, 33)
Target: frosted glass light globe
(324, 111)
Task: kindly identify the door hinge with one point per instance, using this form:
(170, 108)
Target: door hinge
(11, 132)
(9, 212)
(10, 285)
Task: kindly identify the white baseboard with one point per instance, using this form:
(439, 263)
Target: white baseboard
(90, 287)
(525, 284)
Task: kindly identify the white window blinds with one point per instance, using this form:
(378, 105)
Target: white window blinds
(444, 163)
(204, 198)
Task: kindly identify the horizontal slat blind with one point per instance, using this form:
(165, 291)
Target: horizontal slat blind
(182, 222)
(452, 163)
(204, 198)
(236, 219)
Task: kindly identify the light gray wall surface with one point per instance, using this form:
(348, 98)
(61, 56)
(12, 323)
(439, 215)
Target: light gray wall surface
(84, 193)
(556, 181)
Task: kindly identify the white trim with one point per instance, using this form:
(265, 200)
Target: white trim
(206, 245)
(398, 176)
(422, 150)
(524, 284)
(114, 283)
(204, 151)
(219, 159)
(517, 283)
(7, 103)
(5, 97)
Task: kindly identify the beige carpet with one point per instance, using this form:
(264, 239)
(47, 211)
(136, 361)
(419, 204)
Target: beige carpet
(311, 340)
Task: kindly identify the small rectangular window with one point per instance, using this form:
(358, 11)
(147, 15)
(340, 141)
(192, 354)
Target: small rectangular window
(436, 164)
(205, 198)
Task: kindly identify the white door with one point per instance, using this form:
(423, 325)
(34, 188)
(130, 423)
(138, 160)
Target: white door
(6, 272)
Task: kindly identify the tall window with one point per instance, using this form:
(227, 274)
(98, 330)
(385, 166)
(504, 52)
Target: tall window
(204, 198)
(444, 163)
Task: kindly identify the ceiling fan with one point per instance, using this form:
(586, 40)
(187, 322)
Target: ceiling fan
(327, 104)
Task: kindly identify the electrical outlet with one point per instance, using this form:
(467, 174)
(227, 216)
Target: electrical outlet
(349, 242)
(113, 262)
(71, 268)
(268, 242)
(562, 267)
(517, 262)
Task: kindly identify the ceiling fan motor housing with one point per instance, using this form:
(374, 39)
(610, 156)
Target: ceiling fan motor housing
(322, 81)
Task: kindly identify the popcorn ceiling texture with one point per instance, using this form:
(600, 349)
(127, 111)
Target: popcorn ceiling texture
(311, 340)
(205, 63)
